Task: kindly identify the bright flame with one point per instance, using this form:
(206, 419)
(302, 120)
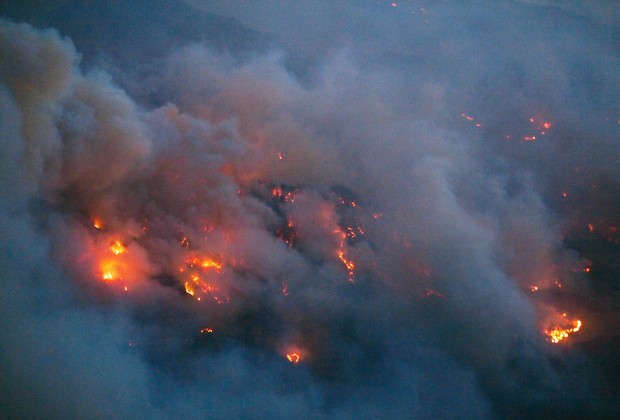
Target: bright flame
(209, 263)
(348, 263)
(117, 248)
(109, 271)
(294, 358)
(558, 333)
(204, 263)
(189, 289)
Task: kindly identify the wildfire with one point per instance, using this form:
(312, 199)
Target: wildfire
(350, 265)
(117, 248)
(293, 357)
(109, 270)
(209, 263)
(204, 263)
(189, 289)
(558, 333)
(342, 256)
(284, 195)
(195, 269)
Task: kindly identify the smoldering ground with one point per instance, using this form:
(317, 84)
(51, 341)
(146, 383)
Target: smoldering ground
(362, 195)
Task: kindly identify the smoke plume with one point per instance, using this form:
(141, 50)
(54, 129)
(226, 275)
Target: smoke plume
(405, 210)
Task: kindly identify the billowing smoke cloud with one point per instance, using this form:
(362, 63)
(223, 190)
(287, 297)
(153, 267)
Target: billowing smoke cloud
(385, 224)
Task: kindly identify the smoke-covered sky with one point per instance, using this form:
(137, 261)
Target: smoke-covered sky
(357, 209)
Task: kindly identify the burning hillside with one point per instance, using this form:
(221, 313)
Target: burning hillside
(345, 232)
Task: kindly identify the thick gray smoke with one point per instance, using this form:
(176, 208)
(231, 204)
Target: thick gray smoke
(376, 212)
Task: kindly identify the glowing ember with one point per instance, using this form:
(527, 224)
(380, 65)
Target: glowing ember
(294, 358)
(206, 330)
(534, 288)
(97, 224)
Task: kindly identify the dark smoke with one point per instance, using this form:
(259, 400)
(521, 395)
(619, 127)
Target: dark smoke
(357, 183)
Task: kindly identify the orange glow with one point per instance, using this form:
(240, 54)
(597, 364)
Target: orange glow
(558, 334)
(189, 289)
(534, 288)
(97, 224)
(117, 248)
(206, 330)
(561, 332)
(294, 357)
(204, 263)
(209, 263)
(276, 192)
(547, 125)
(109, 270)
(348, 263)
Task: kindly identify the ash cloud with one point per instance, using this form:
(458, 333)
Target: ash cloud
(174, 223)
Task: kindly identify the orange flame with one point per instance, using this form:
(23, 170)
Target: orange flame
(558, 333)
(294, 357)
(117, 248)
